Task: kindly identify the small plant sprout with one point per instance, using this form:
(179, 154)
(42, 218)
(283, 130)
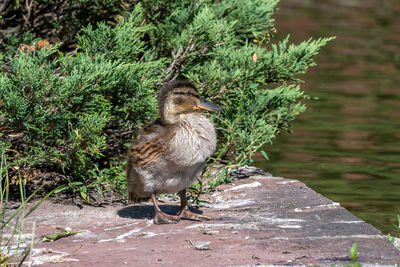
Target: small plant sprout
(393, 239)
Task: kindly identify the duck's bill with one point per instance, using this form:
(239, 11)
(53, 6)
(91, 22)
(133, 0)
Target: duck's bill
(207, 105)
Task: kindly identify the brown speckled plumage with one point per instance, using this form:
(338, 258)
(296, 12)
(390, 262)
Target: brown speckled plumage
(147, 153)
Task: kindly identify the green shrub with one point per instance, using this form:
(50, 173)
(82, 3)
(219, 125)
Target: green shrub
(75, 112)
(55, 20)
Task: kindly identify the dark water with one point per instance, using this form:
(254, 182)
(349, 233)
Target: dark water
(346, 146)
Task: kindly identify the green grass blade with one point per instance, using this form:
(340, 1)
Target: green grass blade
(41, 200)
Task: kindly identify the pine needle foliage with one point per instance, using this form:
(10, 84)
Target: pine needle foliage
(74, 112)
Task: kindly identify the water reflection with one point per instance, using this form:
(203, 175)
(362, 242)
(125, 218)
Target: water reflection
(346, 146)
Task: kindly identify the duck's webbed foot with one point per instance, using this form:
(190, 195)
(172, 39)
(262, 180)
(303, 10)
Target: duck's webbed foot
(163, 218)
(188, 215)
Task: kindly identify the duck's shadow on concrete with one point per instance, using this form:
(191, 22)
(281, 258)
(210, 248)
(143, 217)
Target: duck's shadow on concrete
(145, 211)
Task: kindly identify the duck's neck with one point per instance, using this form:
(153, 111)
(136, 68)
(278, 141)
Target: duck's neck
(169, 114)
(168, 117)
(166, 113)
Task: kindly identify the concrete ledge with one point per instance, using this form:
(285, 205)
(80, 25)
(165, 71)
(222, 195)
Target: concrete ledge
(261, 220)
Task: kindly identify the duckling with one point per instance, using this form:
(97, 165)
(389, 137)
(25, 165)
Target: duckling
(168, 154)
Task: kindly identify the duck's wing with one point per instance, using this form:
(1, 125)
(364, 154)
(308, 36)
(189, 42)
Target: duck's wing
(150, 145)
(152, 131)
(147, 153)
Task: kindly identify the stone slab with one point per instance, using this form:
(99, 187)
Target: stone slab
(259, 220)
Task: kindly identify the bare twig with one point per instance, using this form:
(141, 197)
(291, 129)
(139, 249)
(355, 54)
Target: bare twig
(180, 58)
(3, 5)
(221, 92)
(11, 18)
(174, 62)
(72, 53)
(28, 5)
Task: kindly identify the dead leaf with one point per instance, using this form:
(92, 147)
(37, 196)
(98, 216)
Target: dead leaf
(42, 44)
(206, 231)
(200, 245)
(254, 57)
(26, 48)
(47, 251)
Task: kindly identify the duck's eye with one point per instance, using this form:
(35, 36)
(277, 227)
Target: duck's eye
(188, 93)
(177, 100)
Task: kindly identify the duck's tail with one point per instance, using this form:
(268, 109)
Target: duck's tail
(133, 198)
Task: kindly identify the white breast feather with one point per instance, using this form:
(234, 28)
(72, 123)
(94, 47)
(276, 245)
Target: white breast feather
(193, 141)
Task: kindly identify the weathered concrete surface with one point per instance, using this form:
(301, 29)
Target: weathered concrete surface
(258, 220)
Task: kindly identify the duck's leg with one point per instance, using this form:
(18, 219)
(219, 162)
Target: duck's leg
(186, 214)
(161, 217)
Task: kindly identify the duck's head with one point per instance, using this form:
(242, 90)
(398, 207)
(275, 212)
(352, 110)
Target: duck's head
(178, 98)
